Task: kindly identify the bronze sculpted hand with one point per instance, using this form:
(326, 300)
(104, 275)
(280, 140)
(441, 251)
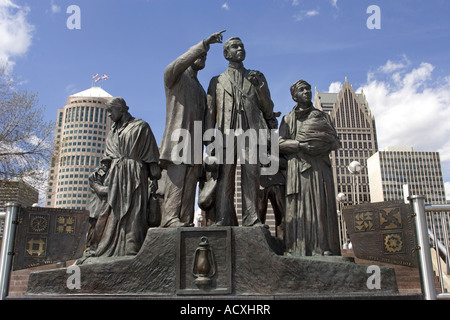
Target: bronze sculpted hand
(154, 171)
(215, 37)
(256, 78)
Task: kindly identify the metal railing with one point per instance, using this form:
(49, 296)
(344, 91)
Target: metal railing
(425, 232)
(438, 220)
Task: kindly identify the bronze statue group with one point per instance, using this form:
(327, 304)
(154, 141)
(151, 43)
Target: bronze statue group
(124, 206)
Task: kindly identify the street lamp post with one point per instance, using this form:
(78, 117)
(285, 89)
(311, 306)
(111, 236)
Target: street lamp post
(355, 168)
(341, 197)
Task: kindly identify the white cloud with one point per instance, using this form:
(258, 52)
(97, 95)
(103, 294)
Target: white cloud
(54, 7)
(411, 107)
(390, 66)
(444, 152)
(8, 3)
(447, 190)
(71, 89)
(225, 6)
(335, 87)
(334, 3)
(305, 14)
(295, 2)
(15, 31)
(312, 13)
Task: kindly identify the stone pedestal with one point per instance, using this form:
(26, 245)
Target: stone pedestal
(245, 262)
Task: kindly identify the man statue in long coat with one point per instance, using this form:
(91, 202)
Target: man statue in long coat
(307, 136)
(185, 108)
(238, 100)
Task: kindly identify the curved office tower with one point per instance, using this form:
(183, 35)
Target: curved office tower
(81, 130)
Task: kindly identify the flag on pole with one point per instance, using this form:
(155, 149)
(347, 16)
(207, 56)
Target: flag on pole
(105, 77)
(98, 79)
(95, 76)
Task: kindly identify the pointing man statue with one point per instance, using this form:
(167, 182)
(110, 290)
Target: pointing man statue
(185, 105)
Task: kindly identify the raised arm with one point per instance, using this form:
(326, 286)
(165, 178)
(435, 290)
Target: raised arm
(174, 70)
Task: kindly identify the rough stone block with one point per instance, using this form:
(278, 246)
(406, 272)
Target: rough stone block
(247, 263)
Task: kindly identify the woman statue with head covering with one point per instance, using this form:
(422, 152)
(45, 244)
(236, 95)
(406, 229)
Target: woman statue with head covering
(130, 159)
(307, 136)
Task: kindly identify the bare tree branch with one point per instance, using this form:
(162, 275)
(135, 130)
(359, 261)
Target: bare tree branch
(26, 140)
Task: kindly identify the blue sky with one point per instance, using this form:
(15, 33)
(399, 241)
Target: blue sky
(403, 68)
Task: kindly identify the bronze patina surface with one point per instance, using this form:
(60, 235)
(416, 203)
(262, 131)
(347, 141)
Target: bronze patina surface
(383, 231)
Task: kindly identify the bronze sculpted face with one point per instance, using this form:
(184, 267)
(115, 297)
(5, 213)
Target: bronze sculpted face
(301, 92)
(116, 108)
(233, 50)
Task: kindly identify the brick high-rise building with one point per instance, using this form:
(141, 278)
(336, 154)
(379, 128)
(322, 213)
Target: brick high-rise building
(81, 130)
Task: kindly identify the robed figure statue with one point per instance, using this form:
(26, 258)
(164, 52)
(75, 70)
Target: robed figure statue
(130, 159)
(307, 136)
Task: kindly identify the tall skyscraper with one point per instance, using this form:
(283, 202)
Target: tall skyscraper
(355, 124)
(81, 130)
(394, 167)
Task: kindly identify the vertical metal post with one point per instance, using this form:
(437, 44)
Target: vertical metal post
(425, 262)
(354, 189)
(406, 192)
(446, 242)
(9, 231)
